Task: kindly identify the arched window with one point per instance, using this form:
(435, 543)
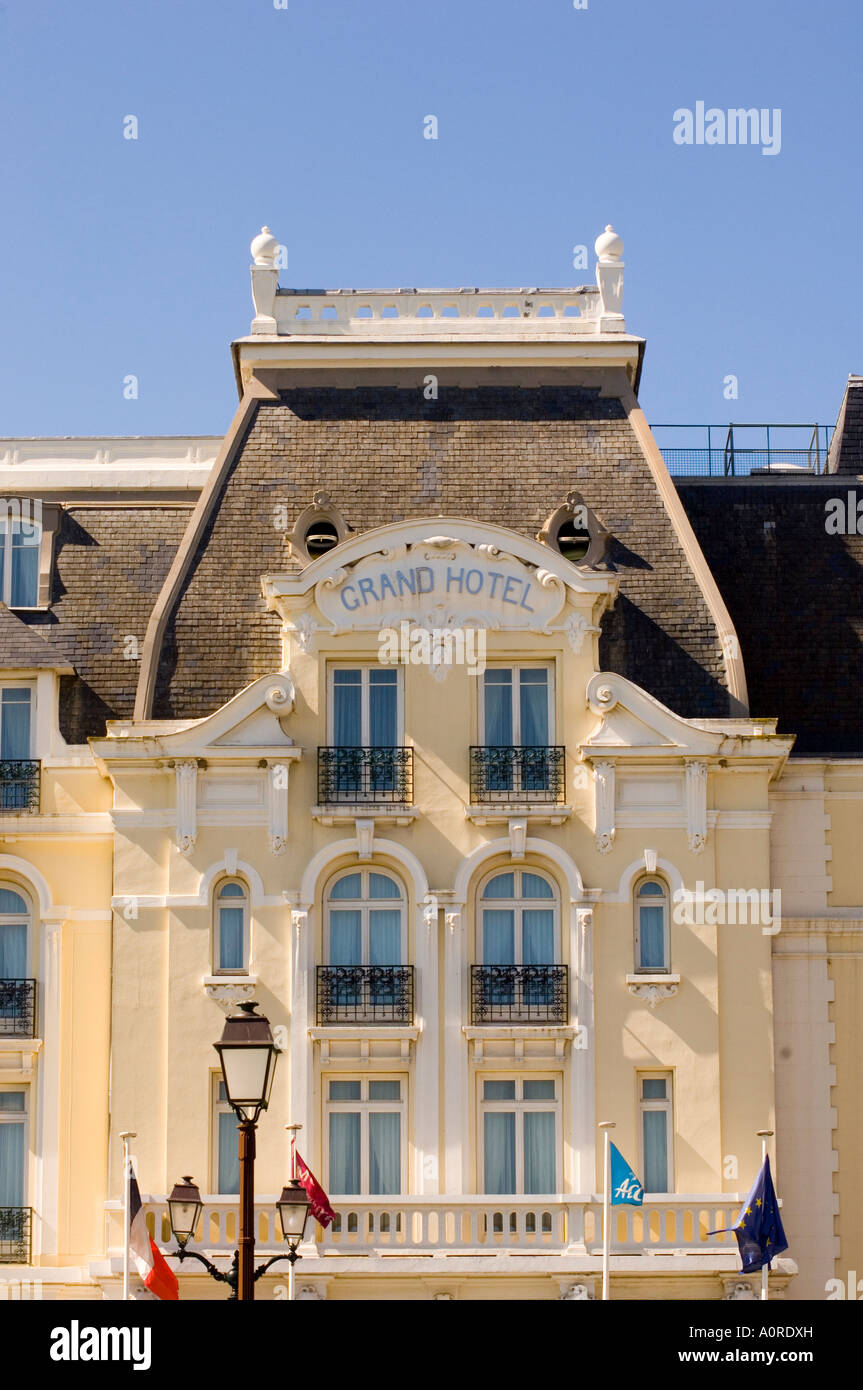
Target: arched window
(231, 929)
(365, 919)
(520, 978)
(651, 926)
(17, 994)
(518, 919)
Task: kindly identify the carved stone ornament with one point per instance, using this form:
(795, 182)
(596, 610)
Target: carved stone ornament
(652, 993)
(322, 511)
(574, 514)
(463, 585)
(740, 1291)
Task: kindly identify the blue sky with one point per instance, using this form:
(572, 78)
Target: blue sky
(126, 257)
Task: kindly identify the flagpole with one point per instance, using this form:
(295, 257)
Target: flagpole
(125, 1136)
(605, 1126)
(764, 1135)
(293, 1130)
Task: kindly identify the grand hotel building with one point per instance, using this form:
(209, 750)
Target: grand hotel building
(452, 886)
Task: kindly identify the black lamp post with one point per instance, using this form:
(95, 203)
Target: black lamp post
(248, 1054)
(185, 1207)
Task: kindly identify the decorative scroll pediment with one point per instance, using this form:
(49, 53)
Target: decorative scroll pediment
(443, 574)
(629, 718)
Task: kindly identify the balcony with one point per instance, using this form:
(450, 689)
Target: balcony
(554, 1225)
(373, 994)
(17, 1008)
(19, 786)
(519, 994)
(15, 1235)
(504, 775)
(365, 776)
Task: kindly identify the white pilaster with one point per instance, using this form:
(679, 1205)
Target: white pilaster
(696, 805)
(186, 770)
(455, 1051)
(426, 1098)
(277, 805)
(47, 1093)
(582, 1062)
(604, 792)
(302, 1053)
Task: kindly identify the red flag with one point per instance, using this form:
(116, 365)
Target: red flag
(319, 1202)
(150, 1263)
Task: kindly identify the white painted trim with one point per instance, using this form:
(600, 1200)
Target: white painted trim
(542, 849)
(635, 869)
(319, 863)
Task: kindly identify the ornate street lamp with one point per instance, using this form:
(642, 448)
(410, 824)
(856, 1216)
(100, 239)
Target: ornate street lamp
(185, 1207)
(248, 1054)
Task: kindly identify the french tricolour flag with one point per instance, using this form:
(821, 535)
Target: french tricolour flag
(150, 1263)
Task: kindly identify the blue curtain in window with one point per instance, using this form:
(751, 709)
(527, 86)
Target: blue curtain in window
(498, 936)
(15, 724)
(385, 936)
(25, 566)
(11, 1165)
(345, 1170)
(231, 938)
(651, 937)
(533, 694)
(229, 1158)
(498, 708)
(13, 951)
(347, 709)
(538, 936)
(539, 1166)
(655, 1131)
(499, 1146)
(384, 1145)
(346, 937)
(383, 709)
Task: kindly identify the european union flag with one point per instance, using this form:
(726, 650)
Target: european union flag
(758, 1227)
(626, 1190)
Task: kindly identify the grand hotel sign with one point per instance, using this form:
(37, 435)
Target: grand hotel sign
(437, 580)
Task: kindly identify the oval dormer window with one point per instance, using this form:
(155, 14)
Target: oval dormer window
(573, 541)
(321, 537)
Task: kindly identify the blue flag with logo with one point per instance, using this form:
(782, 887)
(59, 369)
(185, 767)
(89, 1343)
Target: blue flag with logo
(758, 1227)
(626, 1190)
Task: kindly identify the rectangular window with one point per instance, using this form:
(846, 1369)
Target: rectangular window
(365, 1129)
(226, 1157)
(19, 562)
(364, 710)
(655, 1107)
(15, 710)
(13, 1147)
(519, 1128)
(516, 708)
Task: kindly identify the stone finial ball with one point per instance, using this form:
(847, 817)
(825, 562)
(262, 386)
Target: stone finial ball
(608, 245)
(264, 247)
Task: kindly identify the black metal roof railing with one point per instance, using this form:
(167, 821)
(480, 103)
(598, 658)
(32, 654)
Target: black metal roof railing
(738, 450)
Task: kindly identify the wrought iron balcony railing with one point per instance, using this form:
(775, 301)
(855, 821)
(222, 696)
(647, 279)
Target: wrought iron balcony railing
(365, 775)
(365, 994)
(16, 1225)
(501, 773)
(519, 993)
(17, 1008)
(20, 785)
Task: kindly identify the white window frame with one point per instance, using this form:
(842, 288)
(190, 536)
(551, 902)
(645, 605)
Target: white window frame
(365, 905)
(365, 699)
(517, 905)
(13, 917)
(516, 667)
(243, 902)
(364, 1107)
(21, 1117)
(664, 903)
(218, 1107)
(666, 1106)
(520, 1107)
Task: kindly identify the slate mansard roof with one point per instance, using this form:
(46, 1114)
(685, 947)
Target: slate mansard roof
(499, 452)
